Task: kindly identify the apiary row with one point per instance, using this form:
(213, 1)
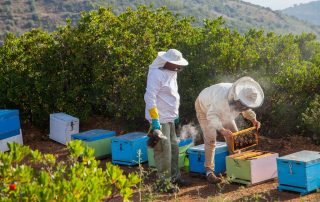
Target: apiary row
(297, 172)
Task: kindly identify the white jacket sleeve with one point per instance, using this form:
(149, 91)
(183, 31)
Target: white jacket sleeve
(249, 114)
(214, 119)
(153, 87)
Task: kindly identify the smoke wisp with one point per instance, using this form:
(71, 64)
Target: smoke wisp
(190, 130)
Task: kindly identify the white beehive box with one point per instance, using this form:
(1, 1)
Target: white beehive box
(62, 126)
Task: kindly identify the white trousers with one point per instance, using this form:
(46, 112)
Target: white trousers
(210, 136)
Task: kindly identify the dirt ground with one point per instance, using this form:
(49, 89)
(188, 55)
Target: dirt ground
(199, 190)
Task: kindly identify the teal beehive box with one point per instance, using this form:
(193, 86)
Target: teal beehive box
(9, 123)
(98, 139)
(299, 172)
(130, 148)
(10, 129)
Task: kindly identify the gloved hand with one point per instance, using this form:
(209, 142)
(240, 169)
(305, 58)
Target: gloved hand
(159, 134)
(226, 133)
(256, 124)
(154, 137)
(155, 124)
(155, 118)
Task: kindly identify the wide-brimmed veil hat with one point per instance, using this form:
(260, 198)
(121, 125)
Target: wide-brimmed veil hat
(248, 92)
(173, 56)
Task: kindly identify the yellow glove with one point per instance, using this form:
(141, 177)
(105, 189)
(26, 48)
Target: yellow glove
(155, 118)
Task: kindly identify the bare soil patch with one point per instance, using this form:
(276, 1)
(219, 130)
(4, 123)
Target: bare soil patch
(199, 190)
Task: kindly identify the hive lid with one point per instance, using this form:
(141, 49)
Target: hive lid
(308, 157)
(64, 117)
(132, 136)
(93, 135)
(9, 123)
(6, 113)
(220, 147)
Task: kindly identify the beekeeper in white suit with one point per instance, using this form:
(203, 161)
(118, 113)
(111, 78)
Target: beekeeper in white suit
(217, 108)
(162, 109)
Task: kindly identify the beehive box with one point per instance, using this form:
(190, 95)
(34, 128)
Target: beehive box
(9, 123)
(299, 172)
(183, 146)
(252, 167)
(98, 139)
(196, 157)
(62, 126)
(125, 148)
(9, 128)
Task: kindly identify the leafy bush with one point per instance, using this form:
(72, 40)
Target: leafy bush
(295, 87)
(29, 175)
(311, 118)
(99, 67)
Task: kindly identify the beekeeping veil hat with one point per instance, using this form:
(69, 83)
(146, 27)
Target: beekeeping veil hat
(172, 55)
(248, 92)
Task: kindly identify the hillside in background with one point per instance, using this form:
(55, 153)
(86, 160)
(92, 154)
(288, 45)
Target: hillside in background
(18, 16)
(309, 12)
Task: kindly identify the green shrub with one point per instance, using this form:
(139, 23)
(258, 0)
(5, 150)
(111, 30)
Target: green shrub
(294, 87)
(29, 175)
(99, 67)
(311, 118)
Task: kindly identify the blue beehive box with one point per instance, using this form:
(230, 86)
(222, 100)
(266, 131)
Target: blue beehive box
(9, 123)
(299, 172)
(125, 148)
(197, 158)
(98, 139)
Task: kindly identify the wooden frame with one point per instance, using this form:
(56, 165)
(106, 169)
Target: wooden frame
(242, 132)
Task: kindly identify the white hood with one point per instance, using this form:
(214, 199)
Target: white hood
(158, 62)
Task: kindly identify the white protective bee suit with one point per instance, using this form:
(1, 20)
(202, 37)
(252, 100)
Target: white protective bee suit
(162, 107)
(162, 92)
(215, 112)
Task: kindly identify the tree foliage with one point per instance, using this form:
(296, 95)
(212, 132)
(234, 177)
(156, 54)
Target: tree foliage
(311, 118)
(99, 67)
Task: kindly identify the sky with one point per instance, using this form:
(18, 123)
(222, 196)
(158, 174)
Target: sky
(277, 4)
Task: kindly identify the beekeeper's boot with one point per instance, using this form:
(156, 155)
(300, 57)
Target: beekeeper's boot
(212, 178)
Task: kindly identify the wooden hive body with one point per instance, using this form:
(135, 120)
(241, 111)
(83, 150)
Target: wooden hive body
(253, 166)
(299, 172)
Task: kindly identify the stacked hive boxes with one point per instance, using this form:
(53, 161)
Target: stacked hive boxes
(98, 139)
(129, 149)
(183, 146)
(253, 166)
(196, 157)
(62, 126)
(10, 130)
(299, 172)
